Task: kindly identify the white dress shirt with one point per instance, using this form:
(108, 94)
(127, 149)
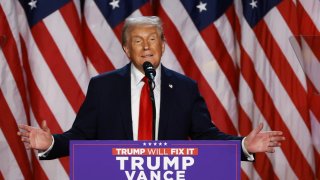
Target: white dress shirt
(136, 87)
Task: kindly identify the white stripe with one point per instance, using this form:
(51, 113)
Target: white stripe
(312, 8)
(10, 91)
(170, 61)
(10, 12)
(92, 71)
(278, 160)
(310, 63)
(8, 166)
(227, 36)
(247, 167)
(281, 33)
(315, 129)
(45, 81)
(104, 35)
(78, 8)
(203, 57)
(281, 99)
(52, 168)
(68, 48)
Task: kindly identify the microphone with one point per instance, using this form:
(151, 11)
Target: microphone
(149, 71)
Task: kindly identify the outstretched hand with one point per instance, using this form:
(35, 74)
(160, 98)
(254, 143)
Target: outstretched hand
(36, 138)
(258, 141)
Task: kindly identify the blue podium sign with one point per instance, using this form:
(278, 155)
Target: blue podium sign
(155, 160)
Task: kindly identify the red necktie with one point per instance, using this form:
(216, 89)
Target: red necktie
(145, 113)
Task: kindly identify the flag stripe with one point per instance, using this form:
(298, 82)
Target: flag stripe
(74, 24)
(1, 176)
(57, 65)
(72, 56)
(302, 141)
(10, 169)
(8, 121)
(254, 116)
(204, 60)
(105, 36)
(274, 120)
(10, 51)
(211, 36)
(282, 68)
(98, 58)
(217, 111)
(40, 109)
(310, 12)
(39, 173)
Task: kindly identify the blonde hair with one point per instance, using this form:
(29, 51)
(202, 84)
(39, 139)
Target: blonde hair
(141, 20)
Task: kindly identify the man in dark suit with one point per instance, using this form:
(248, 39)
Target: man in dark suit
(111, 108)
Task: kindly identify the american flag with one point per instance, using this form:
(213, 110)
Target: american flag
(240, 52)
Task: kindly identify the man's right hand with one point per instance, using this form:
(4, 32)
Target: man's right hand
(36, 138)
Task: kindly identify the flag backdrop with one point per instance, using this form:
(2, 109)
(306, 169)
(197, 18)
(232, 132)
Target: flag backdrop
(240, 53)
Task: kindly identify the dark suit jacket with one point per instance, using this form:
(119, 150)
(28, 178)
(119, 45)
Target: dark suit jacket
(106, 112)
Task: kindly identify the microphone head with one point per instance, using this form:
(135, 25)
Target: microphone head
(149, 70)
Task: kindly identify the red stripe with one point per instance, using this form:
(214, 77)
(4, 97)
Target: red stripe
(10, 129)
(314, 44)
(264, 102)
(264, 167)
(307, 27)
(98, 58)
(244, 176)
(217, 111)
(118, 30)
(71, 17)
(38, 172)
(308, 30)
(57, 65)
(282, 68)
(147, 9)
(317, 157)
(1, 176)
(10, 51)
(38, 104)
(288, 10)
(214, 42)
(313, 99)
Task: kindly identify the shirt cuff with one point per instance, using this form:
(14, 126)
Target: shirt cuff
(46, 152)
(249, 156)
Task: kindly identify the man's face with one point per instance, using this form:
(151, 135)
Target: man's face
(144, 44)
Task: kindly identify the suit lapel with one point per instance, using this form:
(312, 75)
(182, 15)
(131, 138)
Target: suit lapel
(125, 100)
(166, 101)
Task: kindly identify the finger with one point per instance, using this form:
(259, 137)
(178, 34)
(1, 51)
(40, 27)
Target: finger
(44, 126)
(23, 134)
(25, 127)
(28, 146)
(270, 150)
(257, 129)
(276, 133)
(26, 140)
(277, 138)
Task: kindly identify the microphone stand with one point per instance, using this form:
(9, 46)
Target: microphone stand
(152, 85)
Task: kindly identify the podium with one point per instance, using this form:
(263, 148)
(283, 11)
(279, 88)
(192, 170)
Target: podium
(155, 160)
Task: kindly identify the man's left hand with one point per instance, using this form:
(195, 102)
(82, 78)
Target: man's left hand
(264, 141)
